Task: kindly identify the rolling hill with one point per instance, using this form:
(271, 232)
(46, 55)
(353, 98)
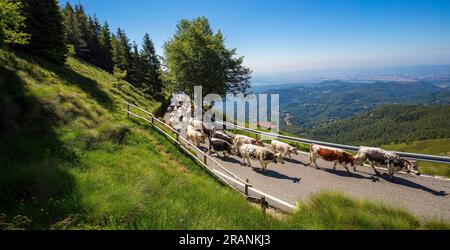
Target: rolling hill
(389, 124)
(70, 159)
(316, 105)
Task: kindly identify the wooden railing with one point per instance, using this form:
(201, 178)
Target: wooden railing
(209, 163)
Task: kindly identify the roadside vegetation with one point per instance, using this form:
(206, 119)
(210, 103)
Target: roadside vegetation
(72, 160)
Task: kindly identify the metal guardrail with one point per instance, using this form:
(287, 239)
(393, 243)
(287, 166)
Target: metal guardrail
(226, 176)
(412, 156)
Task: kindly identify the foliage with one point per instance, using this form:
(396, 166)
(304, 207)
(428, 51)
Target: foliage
(198, 56)
(45, 23)
(12, 23)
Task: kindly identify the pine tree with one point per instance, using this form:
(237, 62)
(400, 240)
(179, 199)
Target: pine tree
(135, 70)
(151, 67)
(106, 48)
(74, 36)
(122, 51)
(45, 24)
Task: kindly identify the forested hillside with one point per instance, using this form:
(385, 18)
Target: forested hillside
(315, 105)
(389, 124)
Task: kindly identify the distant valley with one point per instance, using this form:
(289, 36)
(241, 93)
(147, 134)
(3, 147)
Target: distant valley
(329, 110)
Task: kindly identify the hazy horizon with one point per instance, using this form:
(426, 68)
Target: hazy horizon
(279, 37)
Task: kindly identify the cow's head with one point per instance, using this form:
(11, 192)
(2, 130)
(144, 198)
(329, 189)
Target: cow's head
(295, 151)
(203, 138)
(259, 143)
(412, 167)
(359, 159)
(233, 150)
(279, 158)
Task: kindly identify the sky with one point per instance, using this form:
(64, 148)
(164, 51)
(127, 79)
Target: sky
(278, 36)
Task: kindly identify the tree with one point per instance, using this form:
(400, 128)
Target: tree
(135, 69)
(122, 51)
(151, 67)
(105, 43)
(198, 56)
(12, 23)
(74, 36)
(44, 22)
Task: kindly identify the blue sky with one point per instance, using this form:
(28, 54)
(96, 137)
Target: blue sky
(294, 36)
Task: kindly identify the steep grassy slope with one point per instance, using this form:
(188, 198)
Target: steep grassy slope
(433, 147)
(70, 159)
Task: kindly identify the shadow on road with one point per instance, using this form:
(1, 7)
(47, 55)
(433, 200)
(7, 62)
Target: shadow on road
(343, 173)
(230, 160)
(294, 161)
(275, 174)
(408, 183)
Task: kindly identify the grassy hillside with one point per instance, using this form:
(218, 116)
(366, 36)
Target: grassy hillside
(433, 147)
(389, 124)
(71, 160)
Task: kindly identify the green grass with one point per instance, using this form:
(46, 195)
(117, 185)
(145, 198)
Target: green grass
(72, 160)
(432, 147)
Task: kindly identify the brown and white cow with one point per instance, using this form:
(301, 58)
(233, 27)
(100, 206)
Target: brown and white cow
(335, 155)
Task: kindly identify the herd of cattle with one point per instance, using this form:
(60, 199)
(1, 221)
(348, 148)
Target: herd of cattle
(221, 141)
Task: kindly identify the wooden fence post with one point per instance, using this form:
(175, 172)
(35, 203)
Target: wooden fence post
(246, 188)
(263, 205)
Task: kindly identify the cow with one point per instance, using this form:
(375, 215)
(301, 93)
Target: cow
(337, 156)
(284, 148)
(242, 139)
(198, 125)
(194, 136)
(218, 145)
(209, 130)
(262, 154)
(223, 136)
(381, 158)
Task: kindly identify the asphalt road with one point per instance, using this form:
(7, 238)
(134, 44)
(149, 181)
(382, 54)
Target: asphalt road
(292, 182)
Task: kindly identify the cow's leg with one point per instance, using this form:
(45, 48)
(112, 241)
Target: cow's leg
(348, 171)
(315, 162)
(374, 169)
(391, 172)
(334, 166)
(243, 161)
(262, 164)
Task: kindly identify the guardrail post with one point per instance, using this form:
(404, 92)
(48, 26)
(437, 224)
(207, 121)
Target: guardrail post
(205, 159)
(263, 205)
(128, 113)
(246, 188)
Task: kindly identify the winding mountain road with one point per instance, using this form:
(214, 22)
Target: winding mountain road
(424, 196)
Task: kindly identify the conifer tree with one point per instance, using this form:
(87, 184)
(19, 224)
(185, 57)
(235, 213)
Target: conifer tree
(44, 22)
(151, 67)
(105, 43)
